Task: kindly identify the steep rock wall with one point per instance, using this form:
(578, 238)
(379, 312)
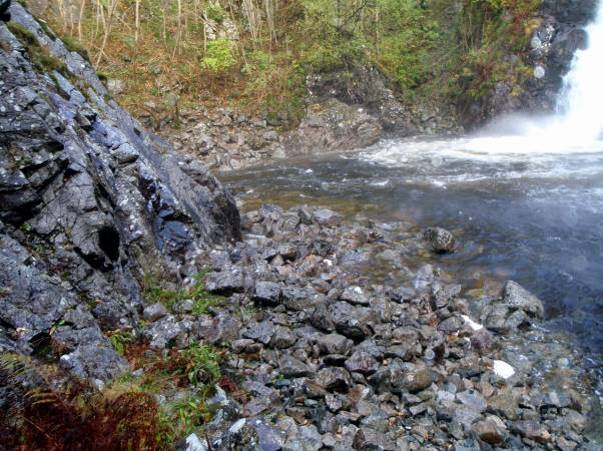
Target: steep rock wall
(89, 201)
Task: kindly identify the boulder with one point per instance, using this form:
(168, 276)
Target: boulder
(441, 240)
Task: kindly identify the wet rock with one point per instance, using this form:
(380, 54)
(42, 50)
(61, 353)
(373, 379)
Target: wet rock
(440, 240)
(517, 297)
(515, 309)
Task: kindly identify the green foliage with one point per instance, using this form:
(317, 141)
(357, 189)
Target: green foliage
(119, 339)
(219, 56)
(156, 290)
(181, 418)
(200, 364)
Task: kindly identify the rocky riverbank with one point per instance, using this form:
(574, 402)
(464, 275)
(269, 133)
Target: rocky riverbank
(332, 355)
(136, 300)
(344, 111)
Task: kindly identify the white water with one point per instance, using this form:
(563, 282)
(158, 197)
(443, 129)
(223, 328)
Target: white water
(576, 128)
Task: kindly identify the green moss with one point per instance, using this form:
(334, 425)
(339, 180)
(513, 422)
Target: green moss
(26, 37)
(40, 56)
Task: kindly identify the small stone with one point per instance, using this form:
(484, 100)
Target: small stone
(291, 367)
(283, 338)
(489, 432)
(472, 399)
(355, 295)
(334, 344)
(369, 439)
(440, 240)
(334, 379)
(362, 362)
(533, 430)
(414, 379)
(269, 292)
(154, 312)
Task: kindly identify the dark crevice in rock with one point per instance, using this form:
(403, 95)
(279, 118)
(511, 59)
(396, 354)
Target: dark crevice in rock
(108, 241)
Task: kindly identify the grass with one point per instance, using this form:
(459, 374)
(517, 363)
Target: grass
(156, 290)
(194, 369)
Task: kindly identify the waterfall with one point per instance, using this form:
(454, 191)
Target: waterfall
(580, 104)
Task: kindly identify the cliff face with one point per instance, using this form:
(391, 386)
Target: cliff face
(549, 55)
(89, 201)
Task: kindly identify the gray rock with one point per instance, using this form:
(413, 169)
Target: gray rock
(355, 295)
(410, 378)
(283, 338)
(154, 312)
(517, 297)
(472, 399)
(162, 333)
(230, 280)
(533, 430)
(369, 439)
(440, 240)
(261, 332)
(291, 367)
(326, 217)
(269, 292)
(361, 362)
(332, 125)
(334, 344)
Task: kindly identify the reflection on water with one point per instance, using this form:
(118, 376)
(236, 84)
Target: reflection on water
(537, 218)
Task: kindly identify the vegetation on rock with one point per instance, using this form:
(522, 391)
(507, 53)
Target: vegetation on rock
(249, 53)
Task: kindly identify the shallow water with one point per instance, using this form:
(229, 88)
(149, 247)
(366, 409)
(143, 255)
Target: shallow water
(536, 218)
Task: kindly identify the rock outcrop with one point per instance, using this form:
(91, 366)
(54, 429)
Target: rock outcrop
(89, 201)
(549, 56)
